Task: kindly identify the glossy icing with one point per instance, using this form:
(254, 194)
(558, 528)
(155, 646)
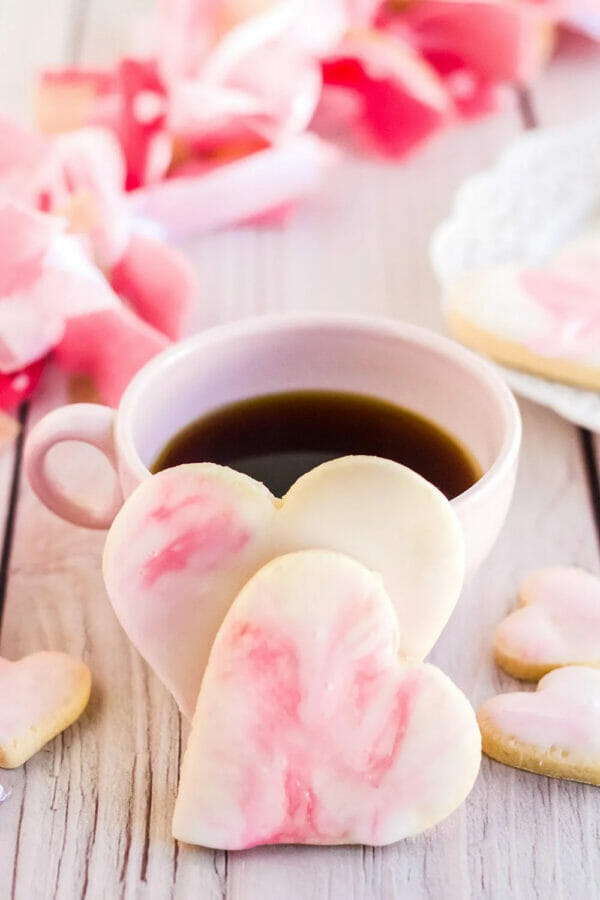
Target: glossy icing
(40, 695)
(572, 298)
(553, 311)
(559, 622)
(176, 555)
(564, 713)
(310, 729)
(188, 539)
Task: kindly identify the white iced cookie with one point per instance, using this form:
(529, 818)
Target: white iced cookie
(558, 624)
(310, 728)
(554, 731)
(545, 321)
(40, 696)
(189, 538)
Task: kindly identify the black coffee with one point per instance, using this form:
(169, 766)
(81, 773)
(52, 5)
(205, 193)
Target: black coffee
(278, 437)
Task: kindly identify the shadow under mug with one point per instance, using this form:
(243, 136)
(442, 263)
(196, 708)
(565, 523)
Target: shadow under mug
(401, 363)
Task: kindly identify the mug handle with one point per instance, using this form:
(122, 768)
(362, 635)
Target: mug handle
(91, 424)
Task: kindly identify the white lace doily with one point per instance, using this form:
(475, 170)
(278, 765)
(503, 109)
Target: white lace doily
(542, 192)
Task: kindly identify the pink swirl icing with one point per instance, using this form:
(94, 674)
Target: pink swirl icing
(572, 298)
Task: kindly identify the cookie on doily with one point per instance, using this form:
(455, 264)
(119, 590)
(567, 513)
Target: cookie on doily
(540, 320)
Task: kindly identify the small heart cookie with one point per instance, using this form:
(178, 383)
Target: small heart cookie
(189, 538)
(40, 696)
(310, 728)
(545, 321)
(554, 731)
(558, 624)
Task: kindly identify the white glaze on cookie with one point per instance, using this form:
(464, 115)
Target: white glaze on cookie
(558, 624)
(562, 715)
(40, 696)
(551, 312)
(310, 729)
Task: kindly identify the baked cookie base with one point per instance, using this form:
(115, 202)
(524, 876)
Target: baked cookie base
(526, 670)
(26, 744)
(517, 356)
(554, 762)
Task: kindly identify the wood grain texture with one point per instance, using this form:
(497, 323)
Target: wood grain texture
(89, 816)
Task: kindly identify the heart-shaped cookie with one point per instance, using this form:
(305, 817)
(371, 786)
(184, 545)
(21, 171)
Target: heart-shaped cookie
(545, 321)
(310, 728)
(554, 731)
(40, 696)
(558, 624)
(189, 538)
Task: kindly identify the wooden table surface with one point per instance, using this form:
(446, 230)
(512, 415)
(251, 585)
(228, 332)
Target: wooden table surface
(89, 816)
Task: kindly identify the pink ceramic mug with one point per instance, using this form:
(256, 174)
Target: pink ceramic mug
(401, 363)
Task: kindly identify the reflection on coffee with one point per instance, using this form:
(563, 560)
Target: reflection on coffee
(278, 437)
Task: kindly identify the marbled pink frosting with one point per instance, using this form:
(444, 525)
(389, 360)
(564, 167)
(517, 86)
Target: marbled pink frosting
(188, 539)
(310, 729)
(176, 556)
(572, 298)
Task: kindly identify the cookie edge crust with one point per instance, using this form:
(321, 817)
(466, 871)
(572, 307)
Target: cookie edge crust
(517, 356)
(37, 736)
(531, 758)
(524, 670)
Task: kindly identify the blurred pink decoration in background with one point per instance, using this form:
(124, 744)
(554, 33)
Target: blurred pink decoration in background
(254, 88)
(225, 80)
(54, 299)
(221, 120)
(58, 290)
(581, 15)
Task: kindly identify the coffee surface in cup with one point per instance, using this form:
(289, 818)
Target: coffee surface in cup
(278, 437)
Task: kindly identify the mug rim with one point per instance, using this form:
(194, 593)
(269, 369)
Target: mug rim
(479, 368)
